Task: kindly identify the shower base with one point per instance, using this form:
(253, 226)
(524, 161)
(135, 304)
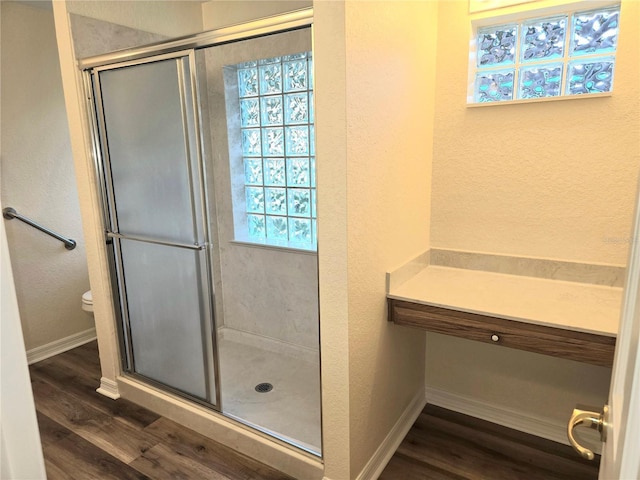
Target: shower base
(291, 410)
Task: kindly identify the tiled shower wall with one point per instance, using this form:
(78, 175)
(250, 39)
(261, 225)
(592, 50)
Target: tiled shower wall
(95, 37)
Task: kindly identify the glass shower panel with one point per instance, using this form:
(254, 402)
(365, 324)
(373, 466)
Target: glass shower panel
(165, 312)
(259, 95)
(148, 128)
(149, 150)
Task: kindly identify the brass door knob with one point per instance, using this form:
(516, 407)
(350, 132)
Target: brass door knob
(589, 419)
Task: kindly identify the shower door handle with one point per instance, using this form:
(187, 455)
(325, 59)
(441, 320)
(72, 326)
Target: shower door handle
(195, 246)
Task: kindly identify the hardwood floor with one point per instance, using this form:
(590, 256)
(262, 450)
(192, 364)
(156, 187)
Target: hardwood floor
(448, 445)
(88, 436)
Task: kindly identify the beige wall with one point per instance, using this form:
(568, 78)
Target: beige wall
(330, 83)
(374, 125)
(378, 91)
(390, 87)
(38, 179)
(553, 180)
(222, 13)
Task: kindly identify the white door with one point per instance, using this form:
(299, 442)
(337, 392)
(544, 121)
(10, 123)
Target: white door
(621, 451)
(621, 425)
(20, 449)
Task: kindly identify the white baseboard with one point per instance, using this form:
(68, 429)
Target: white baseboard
(59, 346)
(392, 441)
(108, 388)
(495, 414)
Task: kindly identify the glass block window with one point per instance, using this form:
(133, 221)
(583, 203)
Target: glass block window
(275, 98)
(560, 55)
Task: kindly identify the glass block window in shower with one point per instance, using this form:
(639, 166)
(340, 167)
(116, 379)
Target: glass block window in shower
(272, 109)
(571, 53)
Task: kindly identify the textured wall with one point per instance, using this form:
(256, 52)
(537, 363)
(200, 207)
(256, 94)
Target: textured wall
(330, 82)
(554, 180)
(374, 102)
(390, 85)
(221, 13)
(38, 179)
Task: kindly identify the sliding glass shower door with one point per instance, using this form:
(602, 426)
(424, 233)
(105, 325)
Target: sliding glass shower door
(156, 221)
(240, 242)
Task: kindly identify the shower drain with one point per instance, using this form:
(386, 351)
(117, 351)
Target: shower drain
(264, 387)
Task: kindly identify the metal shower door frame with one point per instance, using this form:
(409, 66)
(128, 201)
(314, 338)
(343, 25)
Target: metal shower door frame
(199, 211)
(281, 23)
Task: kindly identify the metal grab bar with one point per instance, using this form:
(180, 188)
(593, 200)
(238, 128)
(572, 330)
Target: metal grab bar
(10, 213)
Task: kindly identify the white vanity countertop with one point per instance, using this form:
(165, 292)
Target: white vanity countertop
(581, 307)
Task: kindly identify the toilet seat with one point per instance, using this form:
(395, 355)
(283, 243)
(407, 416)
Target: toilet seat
(87, 301)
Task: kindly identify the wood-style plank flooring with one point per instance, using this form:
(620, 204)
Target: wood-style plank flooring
(88, 436)
(447, 445)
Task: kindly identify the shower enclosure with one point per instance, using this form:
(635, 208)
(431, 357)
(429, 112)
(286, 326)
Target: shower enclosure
(205, 153)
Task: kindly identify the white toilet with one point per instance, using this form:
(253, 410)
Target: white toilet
(87, 302)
